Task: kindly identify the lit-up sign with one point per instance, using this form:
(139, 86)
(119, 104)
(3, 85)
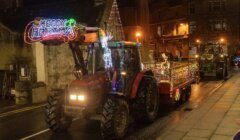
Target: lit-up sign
(50, 29)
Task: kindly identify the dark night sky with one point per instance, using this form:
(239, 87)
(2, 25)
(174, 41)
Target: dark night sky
(170, 2)
(37, 2)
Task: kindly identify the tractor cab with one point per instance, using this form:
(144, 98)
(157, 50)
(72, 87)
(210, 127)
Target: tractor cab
(126, 65)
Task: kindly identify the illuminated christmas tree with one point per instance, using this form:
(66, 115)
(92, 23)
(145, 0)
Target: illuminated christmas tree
(114, 23)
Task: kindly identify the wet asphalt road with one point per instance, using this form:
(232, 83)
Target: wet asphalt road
(30, 124)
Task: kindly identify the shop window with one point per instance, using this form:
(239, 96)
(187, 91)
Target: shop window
(159, 31)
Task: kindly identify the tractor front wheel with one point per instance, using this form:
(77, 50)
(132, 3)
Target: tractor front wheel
(54, 113)
(115, 119)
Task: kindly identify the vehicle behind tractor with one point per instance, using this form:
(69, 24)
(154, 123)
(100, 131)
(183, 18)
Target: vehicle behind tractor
(213, 61)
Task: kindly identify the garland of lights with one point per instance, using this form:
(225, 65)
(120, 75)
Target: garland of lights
(106, 51)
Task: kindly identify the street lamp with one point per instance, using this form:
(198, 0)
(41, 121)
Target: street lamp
(198, 41)
(222, 40)
(138, 35)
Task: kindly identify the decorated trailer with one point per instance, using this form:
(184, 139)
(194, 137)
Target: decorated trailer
(174, 78)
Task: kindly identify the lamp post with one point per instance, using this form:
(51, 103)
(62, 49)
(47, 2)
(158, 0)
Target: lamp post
(138, 35)
(198, 41)
(221, 41)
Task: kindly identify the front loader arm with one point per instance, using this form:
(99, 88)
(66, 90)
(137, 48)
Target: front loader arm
(78, 57)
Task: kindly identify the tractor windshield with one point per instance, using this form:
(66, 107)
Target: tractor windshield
(212, 49)
(125, 59)
(93, 58)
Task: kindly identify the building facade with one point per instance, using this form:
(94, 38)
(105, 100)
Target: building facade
(178, 26)
(215, 21)
(135, 20)
(169, 27)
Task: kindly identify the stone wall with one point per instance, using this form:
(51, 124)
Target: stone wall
(59, 65)
(11, 47)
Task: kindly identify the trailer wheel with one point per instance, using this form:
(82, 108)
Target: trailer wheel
(183, 96)
(189, 91)
(54, 113)
(115, 118)
(147, 103)
(201, 74)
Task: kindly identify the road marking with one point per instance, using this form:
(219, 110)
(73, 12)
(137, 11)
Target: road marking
(40, 132)
(35, 134)
(20, 110)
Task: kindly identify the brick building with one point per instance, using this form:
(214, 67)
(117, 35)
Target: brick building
(176, 25)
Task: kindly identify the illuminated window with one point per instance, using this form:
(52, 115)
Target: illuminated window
(159, 31)
(218, 25)
(192, 27)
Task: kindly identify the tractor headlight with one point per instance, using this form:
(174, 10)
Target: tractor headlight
(81, 98)
(77, 97)
(73, 97)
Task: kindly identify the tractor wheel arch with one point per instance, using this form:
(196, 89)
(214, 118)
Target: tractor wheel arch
(137, 82)
(146, 103)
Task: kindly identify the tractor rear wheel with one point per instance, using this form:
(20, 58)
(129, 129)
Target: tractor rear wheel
(220, 72)
(115, 118)
(146, 104)
(54, 113)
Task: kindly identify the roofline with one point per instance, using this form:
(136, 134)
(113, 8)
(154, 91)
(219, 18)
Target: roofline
(8, 29)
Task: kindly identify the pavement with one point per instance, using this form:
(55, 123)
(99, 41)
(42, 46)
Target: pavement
(214, 119)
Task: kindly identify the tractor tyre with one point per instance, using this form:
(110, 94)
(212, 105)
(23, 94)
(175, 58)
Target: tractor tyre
(226, 70)
(54, 113)
(146, 104)
(114, 123)
(220, 73)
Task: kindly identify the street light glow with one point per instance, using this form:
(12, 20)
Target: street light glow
(138, 34)
(198, 41)
(222, 40)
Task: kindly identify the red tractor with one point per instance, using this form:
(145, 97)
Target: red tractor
(110, 86)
